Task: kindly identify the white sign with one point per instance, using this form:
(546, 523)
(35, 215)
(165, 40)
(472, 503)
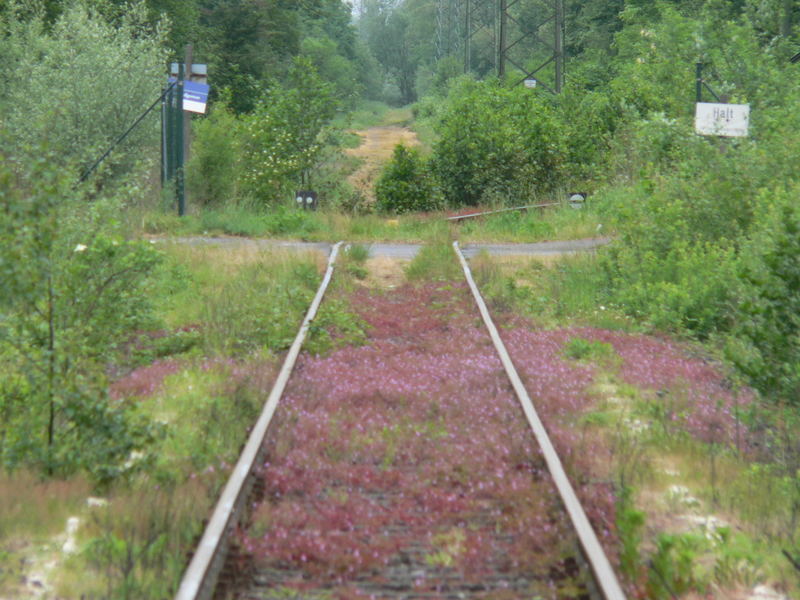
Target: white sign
(530, 83)
(728, 120)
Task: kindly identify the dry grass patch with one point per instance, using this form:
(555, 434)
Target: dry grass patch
(33, 517)
(385, 273)
(35, 507)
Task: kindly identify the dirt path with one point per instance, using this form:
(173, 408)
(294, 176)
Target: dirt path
(377, 145)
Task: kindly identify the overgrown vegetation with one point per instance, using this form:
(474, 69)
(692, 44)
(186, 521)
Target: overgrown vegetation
(108, 345)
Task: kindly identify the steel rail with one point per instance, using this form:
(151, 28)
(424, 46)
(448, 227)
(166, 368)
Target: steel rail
(200, 577)
(501, 210)
(604, 574)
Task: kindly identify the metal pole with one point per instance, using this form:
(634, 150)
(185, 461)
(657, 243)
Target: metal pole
(503, 34)
(468, 37)
(559, 46)
(699, 82)
(171, 120)
(164, 177)
(179, 183)
(187, 115)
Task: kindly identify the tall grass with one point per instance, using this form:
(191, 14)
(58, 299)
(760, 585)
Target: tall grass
(331, 224)
(33, 507)
(136, 546)
(436, 261)
(558, 290)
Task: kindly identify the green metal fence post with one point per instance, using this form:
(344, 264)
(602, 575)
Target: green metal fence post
(171, 136)
(179, 181)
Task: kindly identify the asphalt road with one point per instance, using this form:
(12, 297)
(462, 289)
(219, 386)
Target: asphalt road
(401, 251)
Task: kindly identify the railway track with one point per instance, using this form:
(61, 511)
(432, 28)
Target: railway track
(387, 508)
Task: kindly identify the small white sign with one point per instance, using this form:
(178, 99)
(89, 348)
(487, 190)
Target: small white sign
(727, 120)
(530, 83)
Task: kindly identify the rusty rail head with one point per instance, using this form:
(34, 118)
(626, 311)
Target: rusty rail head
(500, 210)
(604, 575)
(200, 577)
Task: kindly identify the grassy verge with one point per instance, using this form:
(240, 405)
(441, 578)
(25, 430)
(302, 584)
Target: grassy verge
(333, 225)
(702, 516)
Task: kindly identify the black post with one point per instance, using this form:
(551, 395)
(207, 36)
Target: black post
(699, 82)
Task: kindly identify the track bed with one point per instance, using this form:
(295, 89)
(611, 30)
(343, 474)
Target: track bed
(405, 469)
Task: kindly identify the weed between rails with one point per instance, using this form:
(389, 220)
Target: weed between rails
(407, 463)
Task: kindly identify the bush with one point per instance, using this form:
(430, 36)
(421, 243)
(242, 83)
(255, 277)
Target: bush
(212, 169)
(281, 138)
(405, 184)
(768, 322)
(497, 141)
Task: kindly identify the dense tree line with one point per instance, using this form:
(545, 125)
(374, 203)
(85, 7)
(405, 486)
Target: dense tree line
(419, 42)
(248, 43)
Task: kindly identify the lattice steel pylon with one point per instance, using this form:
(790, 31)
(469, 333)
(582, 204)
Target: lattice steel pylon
(516, 27)
(448, 27)
(507, 26)
(480, 18)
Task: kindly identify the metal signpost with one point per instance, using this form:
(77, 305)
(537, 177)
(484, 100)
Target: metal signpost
(718, 118)
(183, 96)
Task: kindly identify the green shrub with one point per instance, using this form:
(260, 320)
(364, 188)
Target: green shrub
(79, 82)
(74, 291)
(405, 184)
(211, 175)
(768, 317)
(291, 221)
(281, 138)
(672, 566)
(497, 143)
(582, 349)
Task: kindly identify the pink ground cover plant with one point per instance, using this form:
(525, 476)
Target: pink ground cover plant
(406, 464)
(147, 380)
(687, 391)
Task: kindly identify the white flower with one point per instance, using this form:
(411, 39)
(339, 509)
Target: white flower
(80, 248)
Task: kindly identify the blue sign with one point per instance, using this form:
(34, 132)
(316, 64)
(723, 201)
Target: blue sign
(195, 96)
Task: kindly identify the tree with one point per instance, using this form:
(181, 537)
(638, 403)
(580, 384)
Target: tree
(73, 291)
(78, 83)
(281, 138)
(386, 29)
(497, 143)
